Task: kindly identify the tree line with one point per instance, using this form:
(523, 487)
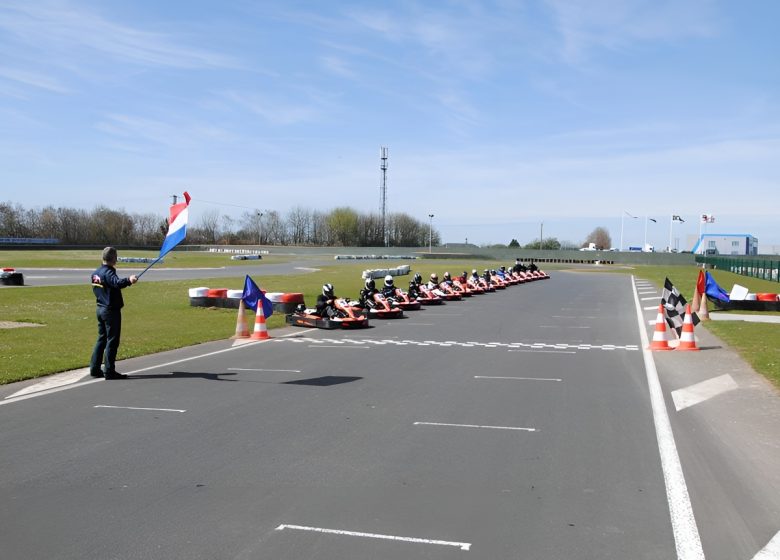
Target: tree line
(342, 226)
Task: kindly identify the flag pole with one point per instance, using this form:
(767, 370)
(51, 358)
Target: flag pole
(154, 262)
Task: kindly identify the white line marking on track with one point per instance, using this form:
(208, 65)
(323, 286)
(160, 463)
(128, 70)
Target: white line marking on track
(139, 408)
(89, 382)
(462, 546)
(686, 533)
(475, 426)
(648, 292)
(648, 298)
(52, 382)
(771, 551)
(700, 392)
(337, 346)
(252, 369)
(540, 351)
(651, 308)
(518, 378)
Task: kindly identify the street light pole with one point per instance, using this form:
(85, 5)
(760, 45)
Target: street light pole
(646, 220)
(622, 219)
(430, 233)
(259, 228)
(541, 235)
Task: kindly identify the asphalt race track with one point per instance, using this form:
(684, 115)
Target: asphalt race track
(69, 276)
(512, 425)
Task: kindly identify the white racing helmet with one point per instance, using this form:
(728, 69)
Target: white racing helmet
(389, 281)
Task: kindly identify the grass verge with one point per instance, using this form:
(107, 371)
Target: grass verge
(157, 315)
(757, 343)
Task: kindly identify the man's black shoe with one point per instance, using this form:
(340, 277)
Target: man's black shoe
(98, 374)
(115, 375)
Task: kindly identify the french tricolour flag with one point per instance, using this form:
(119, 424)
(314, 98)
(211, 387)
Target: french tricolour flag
(177, 225)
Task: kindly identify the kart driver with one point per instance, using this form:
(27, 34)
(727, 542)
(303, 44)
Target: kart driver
(368, 292)
(325, 302)
(389, 288)
(414, 286)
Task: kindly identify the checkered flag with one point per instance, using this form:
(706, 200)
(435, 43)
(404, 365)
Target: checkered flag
(674, 305)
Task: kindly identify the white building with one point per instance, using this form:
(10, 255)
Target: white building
(723, 244)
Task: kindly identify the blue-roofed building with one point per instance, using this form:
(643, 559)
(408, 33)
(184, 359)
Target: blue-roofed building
(723, 244)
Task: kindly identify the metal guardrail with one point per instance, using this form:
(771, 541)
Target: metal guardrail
(765, 268)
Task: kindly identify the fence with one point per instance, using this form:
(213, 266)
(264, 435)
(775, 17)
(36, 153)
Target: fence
(763, 267)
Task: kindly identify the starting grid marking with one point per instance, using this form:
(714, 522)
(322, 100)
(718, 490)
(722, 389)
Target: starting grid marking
(365, 342)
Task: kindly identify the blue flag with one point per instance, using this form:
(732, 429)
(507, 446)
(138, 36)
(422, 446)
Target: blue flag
(713, 290)
(252, 294)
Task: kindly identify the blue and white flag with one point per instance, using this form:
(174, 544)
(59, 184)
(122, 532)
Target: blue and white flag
(252, 294)
(177, 225)
(712, 289)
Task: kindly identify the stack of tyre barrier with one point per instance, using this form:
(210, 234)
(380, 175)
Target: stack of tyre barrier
(283, 302)
(11, 277)
(382, 272)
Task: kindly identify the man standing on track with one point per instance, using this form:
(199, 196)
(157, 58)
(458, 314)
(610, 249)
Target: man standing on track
(107, 287)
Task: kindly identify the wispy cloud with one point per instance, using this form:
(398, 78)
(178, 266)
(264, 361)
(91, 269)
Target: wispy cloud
(59, 29)
(585, 25)
(273, 110)
(33, 79)
(136, 133)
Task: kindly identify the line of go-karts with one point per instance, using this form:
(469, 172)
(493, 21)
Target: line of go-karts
(390, 301)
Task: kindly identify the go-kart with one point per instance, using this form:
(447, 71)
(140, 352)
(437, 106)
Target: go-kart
(447, 292)
(459, 288)
(379, 306)
(496, 282)
(427, 297)
(348, 315)
(404, 301)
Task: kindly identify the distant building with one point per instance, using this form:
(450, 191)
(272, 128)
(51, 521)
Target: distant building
(723, 244)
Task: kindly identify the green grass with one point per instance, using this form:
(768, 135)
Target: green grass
(157, 315)
(757, 343)
(79, 258)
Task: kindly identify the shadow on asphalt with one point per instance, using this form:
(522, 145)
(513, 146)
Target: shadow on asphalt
(324, 381)
(187, 375)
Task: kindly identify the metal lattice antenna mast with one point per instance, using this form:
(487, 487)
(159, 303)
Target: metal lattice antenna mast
(383, 193)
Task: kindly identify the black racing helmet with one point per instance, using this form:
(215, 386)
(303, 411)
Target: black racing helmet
(327, 290)
(388, 281)
(417, 278)
(370, 284)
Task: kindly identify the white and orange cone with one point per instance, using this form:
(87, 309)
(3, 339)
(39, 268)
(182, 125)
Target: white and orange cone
(242, 328)
(660, 338)
(687, 339)
(261, 332)
(704, 312)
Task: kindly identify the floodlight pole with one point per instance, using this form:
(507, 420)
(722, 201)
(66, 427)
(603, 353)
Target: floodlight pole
(430, 233)
(622, 219)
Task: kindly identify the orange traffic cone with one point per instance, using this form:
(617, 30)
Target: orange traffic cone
(261, 332)
(242, 328)
(704, 312)
(687, 340)
(660, 340)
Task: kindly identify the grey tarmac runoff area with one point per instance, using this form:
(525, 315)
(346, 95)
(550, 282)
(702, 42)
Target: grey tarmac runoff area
(525, 424)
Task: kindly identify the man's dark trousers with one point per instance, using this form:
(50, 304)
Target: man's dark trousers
(109, 331)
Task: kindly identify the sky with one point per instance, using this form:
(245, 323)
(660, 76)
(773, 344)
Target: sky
(504, 119)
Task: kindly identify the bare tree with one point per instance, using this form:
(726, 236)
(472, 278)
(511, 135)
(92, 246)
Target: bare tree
(208, 226)
(298, 224)
(599, 236)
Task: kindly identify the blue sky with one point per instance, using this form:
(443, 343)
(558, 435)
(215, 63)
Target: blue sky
(499, 115)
